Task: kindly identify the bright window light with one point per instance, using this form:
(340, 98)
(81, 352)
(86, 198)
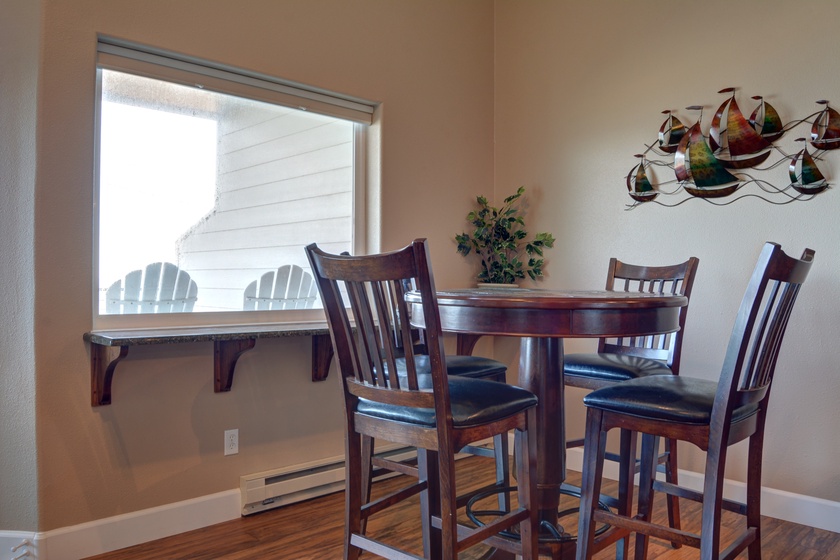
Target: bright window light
(202, 193)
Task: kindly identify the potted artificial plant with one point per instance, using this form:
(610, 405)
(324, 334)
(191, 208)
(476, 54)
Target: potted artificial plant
(499, 239)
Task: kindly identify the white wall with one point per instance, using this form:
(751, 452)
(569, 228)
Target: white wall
(579, 90)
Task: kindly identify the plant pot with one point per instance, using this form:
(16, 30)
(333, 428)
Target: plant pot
(495, 285)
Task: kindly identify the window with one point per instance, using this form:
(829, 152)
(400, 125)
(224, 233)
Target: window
(225, 175)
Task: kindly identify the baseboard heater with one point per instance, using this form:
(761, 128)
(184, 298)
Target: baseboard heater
(270, 489)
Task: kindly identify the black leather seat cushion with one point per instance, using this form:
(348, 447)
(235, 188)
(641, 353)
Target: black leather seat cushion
(465, 366)
(474, 367)
(686, 400)
(473, 401)
(612, 367)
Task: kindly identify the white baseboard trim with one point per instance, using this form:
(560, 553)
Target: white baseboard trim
(120, 531)
(779, 504)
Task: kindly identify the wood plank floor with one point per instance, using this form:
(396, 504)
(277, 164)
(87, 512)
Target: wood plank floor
(313, 530)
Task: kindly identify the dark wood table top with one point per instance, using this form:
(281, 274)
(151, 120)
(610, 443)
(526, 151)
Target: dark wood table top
(552, 299)
(555, 313)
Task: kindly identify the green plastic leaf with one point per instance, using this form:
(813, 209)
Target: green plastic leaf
(499, 238)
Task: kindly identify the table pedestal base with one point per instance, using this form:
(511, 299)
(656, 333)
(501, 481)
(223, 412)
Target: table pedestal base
(555, 541)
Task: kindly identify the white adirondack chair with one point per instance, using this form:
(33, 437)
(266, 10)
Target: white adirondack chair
(288, 287)
(159, 288)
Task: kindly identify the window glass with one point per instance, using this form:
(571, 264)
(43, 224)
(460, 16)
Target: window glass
(206, 199)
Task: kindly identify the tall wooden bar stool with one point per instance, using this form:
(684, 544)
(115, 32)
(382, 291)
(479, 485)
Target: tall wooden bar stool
(435, 412)
(623, 358)
(475, 367)
(710, 415)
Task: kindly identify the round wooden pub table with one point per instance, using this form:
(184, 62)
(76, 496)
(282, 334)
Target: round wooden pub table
(542, 319)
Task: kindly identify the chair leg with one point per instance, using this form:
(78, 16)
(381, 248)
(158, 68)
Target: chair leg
(756, 446)
(367, 473)
(353, 523)
(428, 470)
(502, 458)
(647, 473)
(448, 505)
(593, 465)
(671, 476)
(526, 444)
(712, 495)
(501, 454)
(627, 470)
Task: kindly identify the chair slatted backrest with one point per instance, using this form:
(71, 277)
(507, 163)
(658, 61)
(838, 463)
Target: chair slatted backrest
(288, 287)
(759, 328)
(663, 280)
(161, 287)
(375, 288)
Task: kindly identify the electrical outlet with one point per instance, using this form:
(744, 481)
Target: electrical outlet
(231, 442)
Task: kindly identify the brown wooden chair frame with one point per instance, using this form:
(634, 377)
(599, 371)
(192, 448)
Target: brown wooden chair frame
(367, 356)
(676, 279)
(738, 412)
(469, 366)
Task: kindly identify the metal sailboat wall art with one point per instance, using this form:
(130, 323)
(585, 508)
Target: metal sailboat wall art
(638, 184)
(735, 141)
(724, 165)
(696, 167)
(766, 120)
(825, 131)
(670, 133)
(805, 176)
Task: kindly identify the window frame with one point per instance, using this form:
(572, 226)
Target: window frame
(114, 54)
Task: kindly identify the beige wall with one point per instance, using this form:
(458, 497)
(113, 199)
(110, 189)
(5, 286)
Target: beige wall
(19, 70)
(579, 90)
(428, 63)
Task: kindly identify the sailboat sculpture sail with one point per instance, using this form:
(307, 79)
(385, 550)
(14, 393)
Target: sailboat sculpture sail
(640, 188)
(825, 132)
(670, 133)
(696, 167)
(737, 145)
(809, 180)
(766, 120)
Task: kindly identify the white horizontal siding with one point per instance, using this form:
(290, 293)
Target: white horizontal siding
(298, 165)
(242, 115)
(256, 251)
(294, 213)
(320, 184)
(285, 179)
(274, 141)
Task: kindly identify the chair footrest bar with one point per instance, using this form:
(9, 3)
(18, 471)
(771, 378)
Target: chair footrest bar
(380, 548)
(679, 491)
(479, 450)
(741, 543)
(612, 535)
(392, 498)
(470, 536)
(682, 492)
(640, 526)
(401, 467)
